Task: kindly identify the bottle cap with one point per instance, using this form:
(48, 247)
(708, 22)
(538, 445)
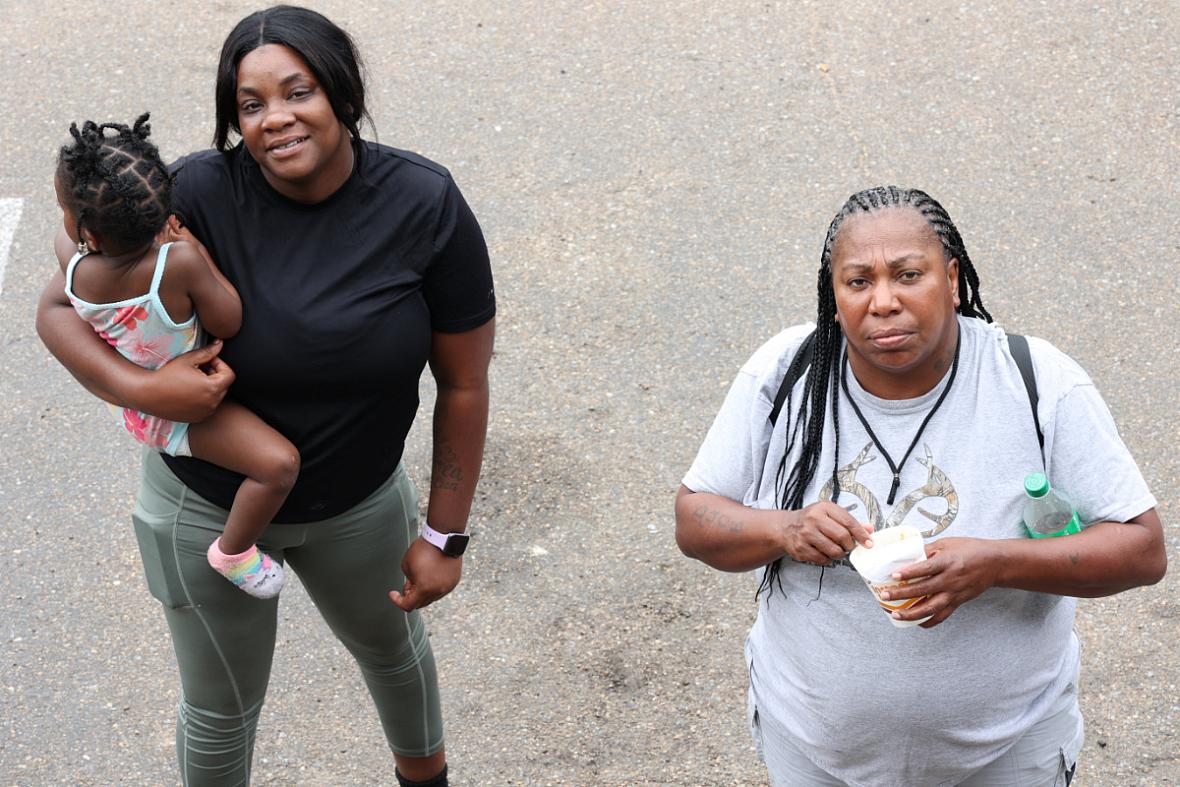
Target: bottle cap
(1036, 485)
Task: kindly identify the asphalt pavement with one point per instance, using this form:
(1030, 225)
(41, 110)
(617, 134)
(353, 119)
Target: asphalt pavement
(654, 181)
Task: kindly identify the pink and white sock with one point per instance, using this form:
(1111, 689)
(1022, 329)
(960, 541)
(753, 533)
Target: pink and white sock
(253, 570)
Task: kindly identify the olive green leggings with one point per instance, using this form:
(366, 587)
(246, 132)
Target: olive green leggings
(224, 639)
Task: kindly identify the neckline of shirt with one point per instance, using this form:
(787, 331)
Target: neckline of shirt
(253, 171)
(919, 403)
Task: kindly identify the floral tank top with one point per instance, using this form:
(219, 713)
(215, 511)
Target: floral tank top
(143, 333)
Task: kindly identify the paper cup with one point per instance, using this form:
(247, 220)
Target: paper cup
(893, 548)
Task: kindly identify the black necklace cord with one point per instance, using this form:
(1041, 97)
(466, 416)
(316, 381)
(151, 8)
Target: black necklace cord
(941, 398)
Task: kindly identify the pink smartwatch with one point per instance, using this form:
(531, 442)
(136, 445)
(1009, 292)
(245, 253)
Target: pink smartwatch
(450, 544)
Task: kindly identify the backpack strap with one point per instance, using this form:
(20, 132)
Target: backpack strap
(1018, 345)
(798, 366)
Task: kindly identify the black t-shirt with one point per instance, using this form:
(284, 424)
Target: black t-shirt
(339, 300)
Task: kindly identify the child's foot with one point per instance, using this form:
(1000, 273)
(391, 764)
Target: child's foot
(253, 570)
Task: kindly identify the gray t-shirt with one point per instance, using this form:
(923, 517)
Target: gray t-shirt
(873, 704)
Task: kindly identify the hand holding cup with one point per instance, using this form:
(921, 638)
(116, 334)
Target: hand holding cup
(894, 548)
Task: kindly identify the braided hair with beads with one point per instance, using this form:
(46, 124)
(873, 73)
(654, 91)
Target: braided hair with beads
(116, 185)
(822, 379)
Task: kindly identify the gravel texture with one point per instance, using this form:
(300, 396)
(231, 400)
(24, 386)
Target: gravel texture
(654, 180)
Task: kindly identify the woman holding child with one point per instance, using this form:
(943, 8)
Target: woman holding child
(357, 264)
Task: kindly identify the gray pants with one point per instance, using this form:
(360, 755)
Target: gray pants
(1043, 757)
(224, 639)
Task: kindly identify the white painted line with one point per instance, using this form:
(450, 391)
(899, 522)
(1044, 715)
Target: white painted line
(9, 218)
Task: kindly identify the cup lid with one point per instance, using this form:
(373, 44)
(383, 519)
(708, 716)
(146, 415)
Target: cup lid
(888, 545)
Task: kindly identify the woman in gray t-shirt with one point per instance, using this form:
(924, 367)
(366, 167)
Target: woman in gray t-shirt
(909, 410)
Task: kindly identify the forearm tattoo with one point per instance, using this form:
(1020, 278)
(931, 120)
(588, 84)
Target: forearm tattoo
(709, 517)
(446, 474)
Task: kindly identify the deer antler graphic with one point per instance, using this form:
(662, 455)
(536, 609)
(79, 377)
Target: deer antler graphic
(937, 486)
(848, 483)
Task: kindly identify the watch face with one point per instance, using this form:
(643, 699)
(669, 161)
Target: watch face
(456, 544)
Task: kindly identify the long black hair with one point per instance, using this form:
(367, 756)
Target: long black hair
(822, 380)
(116, 185)
(329, 51)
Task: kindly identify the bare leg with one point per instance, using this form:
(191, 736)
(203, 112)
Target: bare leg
(420, 769)
(237, 439)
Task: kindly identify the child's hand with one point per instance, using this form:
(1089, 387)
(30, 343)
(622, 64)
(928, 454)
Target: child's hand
(173, 231)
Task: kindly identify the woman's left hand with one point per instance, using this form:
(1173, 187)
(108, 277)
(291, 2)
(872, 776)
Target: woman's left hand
(956, 570)
(430, 575)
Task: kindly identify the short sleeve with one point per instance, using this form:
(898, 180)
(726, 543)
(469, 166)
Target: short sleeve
(724, 465)
(733, 457)
(458, 284)
(1089, 461)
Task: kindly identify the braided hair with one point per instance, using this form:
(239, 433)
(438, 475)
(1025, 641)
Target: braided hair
(822, 380)
(115, 184)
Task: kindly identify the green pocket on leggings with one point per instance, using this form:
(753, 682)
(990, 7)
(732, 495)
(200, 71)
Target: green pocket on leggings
(156, 536)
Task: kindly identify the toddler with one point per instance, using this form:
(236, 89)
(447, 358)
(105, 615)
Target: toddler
(153, 301)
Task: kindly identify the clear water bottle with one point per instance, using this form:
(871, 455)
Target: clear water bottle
(1047, 512)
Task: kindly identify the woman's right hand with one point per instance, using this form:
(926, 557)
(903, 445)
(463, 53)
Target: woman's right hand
(190, 386)
(823, 532)
(725, 534)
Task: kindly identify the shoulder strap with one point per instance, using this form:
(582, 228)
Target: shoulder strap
(1018, 345)
(798, 366)
(158, 276)
(73, 263)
